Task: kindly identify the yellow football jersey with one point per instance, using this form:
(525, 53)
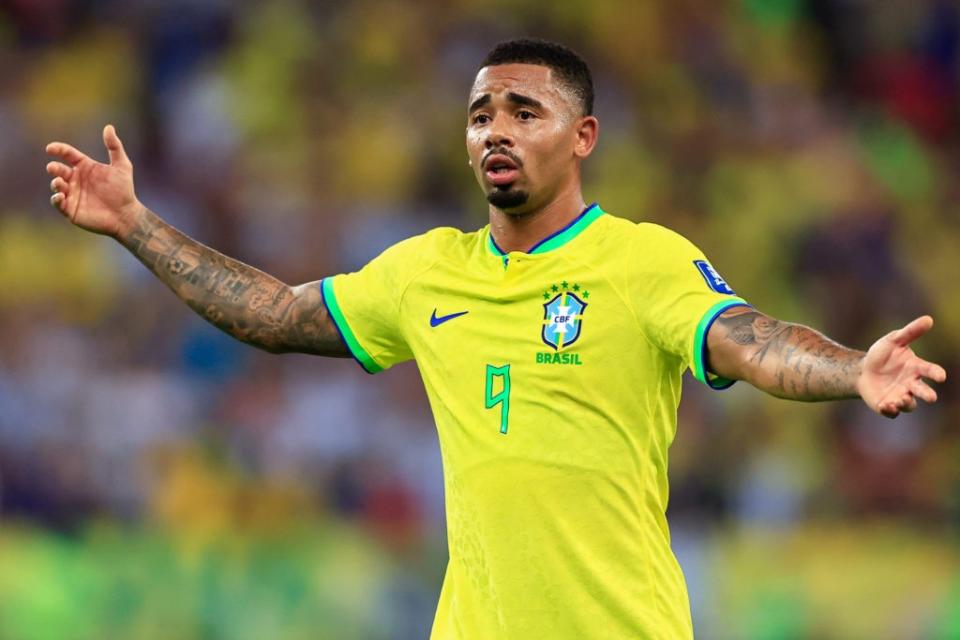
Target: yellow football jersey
(554, 378)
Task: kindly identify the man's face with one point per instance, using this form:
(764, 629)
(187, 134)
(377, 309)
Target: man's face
(523, 136)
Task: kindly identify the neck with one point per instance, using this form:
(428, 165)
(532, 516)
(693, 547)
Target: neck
(521, 232)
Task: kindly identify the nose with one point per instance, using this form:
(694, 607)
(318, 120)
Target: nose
(497, 135)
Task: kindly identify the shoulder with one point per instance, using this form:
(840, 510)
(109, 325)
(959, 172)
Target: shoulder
(417, 254)
(447, 243)
(425, 245)
(660, 246)
(648, 241)
(639, 230)
(441, 238)
(657, 235)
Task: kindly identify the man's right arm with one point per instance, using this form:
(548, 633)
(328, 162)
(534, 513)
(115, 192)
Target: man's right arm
(246, 303)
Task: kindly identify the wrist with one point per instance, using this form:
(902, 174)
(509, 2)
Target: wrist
(860, 380)
(129, 219)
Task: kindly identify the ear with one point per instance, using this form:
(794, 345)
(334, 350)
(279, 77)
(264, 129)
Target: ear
(588, 129)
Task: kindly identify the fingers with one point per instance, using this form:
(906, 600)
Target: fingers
(904, 403)
(114, 147)
(904, 398)
(73, 156)
(59, 169)
(889, 409)
(59, 185)
(908, 404)
(932, 371)
(912, 331)
(66, 152)
(922, 390)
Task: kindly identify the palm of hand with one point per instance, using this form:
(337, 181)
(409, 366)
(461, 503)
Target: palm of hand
(892, 375)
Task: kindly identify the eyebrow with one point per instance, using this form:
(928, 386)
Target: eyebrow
(479, 102)
(523, 100)
(515, 98)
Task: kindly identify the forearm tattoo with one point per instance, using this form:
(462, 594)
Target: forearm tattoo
(236, 298)
(790, 360)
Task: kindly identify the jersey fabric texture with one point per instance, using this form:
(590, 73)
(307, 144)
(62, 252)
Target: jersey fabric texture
(554, 378)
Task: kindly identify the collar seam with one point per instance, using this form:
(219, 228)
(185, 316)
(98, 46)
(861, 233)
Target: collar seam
(585, 219)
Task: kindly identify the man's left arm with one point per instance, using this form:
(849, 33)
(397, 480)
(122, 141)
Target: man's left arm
(792, 361)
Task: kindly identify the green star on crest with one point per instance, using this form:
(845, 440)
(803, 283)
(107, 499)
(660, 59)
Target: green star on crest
(576, 287)
(546, 295)
(564, 284)
(586, 294)
(555, 288)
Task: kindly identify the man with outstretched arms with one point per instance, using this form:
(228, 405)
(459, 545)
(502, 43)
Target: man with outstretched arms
(551, 344)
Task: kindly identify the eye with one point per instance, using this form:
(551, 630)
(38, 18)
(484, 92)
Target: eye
(481, 118)
(526, 115)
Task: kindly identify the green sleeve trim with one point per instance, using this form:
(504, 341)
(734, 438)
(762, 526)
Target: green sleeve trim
(359, 354)
(700, 344)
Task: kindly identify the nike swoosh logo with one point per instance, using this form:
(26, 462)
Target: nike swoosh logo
(435, 321)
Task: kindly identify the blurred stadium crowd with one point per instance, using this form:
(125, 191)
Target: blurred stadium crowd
(159, 480)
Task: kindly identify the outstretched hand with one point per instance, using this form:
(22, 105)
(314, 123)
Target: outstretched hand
(94, 196)
(892, 377)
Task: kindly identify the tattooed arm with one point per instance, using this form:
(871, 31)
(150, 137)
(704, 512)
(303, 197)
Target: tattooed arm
(246, 303)
(792, 361)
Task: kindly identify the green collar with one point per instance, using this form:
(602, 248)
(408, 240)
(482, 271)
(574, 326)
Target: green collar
(558, 238)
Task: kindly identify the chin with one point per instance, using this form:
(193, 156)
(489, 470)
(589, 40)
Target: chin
(508, 200)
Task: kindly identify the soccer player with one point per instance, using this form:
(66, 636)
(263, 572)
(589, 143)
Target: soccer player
(551, 344)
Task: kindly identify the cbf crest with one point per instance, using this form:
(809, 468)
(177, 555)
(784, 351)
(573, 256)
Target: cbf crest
(563, 314)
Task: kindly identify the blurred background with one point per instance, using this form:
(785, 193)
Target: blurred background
(160, 480)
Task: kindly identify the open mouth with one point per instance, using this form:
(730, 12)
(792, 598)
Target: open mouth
(501, 170)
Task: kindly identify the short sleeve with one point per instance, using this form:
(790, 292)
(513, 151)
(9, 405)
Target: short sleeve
(365, 306)
(677, 296)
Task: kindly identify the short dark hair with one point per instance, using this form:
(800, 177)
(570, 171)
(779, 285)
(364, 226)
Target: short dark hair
(569, 67)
